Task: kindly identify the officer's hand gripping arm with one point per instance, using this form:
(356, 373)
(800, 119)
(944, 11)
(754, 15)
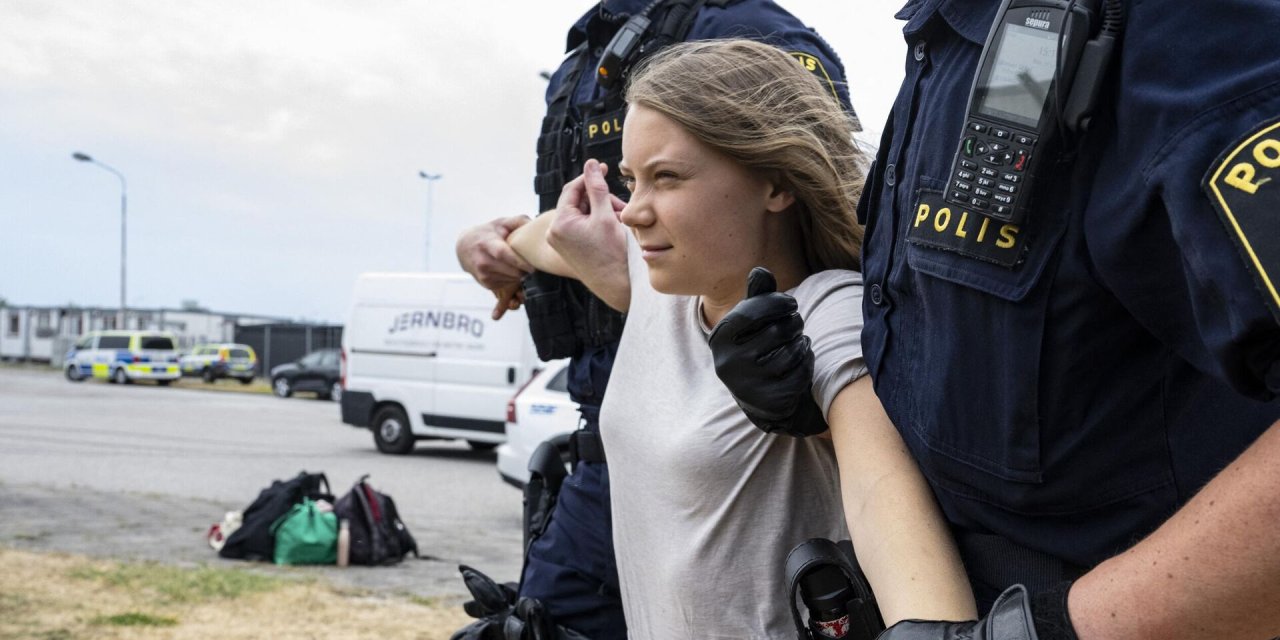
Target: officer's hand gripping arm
(764, 359)
(484, 253)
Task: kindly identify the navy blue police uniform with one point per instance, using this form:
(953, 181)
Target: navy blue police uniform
(1068, 382)
(570, 566)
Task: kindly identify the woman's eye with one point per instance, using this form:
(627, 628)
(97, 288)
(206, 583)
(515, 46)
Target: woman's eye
(628, 182)
(664, 175)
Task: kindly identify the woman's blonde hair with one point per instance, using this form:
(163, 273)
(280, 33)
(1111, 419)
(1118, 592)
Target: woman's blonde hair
(759, 106)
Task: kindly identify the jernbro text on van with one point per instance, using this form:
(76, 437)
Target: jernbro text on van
(447, 320)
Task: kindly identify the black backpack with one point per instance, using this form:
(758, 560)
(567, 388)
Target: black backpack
(254, 540)
(378, 536)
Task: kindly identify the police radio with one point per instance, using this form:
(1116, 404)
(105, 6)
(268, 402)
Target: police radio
(1040, 73)
(622, 49)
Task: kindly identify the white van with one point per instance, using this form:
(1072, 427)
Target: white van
(422, 359)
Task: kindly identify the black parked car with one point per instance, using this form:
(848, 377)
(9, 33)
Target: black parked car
(318, 371)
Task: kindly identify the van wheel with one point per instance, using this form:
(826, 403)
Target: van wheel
(120, 376)
(476, 445)
(246, 380)
(281, 387)
(391, 431)
(73, 373)
(207, 375)
(163, 383)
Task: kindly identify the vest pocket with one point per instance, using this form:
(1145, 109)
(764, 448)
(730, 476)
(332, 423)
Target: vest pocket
(973, 328)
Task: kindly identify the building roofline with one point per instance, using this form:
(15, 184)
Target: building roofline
(131, 310)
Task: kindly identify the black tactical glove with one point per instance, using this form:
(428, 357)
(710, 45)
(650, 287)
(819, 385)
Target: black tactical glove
(493, 603)
(763, 357)
(501, 616)
(1010, 618)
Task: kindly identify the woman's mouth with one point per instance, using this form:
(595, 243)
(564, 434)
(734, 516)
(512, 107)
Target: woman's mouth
(652, 251)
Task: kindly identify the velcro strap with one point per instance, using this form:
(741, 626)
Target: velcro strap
(547, 183)
(549, 163)
(586, 446)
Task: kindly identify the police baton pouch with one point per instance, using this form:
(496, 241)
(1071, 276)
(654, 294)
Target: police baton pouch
(546, 474)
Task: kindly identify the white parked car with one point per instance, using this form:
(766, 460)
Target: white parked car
(539, 411)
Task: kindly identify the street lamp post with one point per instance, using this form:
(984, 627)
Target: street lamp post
(431, 180)
(124, 208)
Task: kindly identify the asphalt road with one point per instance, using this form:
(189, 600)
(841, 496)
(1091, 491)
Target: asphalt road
(141, 471)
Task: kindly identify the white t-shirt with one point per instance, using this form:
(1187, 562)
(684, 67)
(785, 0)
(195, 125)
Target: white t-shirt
(705, 505)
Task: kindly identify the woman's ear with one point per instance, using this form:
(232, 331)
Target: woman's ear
(780, 196)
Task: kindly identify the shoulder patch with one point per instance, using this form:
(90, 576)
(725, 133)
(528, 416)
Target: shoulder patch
(813, 65)
(1243, 184)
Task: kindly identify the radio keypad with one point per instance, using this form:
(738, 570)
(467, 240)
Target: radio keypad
(999, 157)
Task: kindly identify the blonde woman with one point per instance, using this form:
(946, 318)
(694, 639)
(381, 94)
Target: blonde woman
(736, 158)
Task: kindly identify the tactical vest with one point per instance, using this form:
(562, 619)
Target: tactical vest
(564, 316)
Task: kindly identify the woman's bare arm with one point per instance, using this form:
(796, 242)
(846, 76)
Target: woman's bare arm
(530, 243)
(899, 533)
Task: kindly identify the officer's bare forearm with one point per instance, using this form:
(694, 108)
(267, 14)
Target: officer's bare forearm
(1211, 571)
(899, 534)
(530, 243)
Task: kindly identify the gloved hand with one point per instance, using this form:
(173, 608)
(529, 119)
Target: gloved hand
(493, 603)
(503, 616)
(1010, 619)
(762, 355)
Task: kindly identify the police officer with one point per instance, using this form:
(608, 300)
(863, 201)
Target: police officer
(1097, 413)
(569, 567)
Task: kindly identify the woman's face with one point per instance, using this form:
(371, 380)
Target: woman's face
(700, 218)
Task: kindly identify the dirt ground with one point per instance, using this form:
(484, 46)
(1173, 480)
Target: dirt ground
(50, 540)
(54, 595)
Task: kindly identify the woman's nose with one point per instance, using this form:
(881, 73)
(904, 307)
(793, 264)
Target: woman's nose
(636, 213)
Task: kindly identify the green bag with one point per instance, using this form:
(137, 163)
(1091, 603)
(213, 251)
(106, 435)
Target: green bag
(306, 535)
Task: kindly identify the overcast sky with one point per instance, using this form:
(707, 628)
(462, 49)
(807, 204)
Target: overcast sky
(272, 149)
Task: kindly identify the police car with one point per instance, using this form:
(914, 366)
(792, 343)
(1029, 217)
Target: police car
(539, 411)
(123, 357)
(226, 360)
